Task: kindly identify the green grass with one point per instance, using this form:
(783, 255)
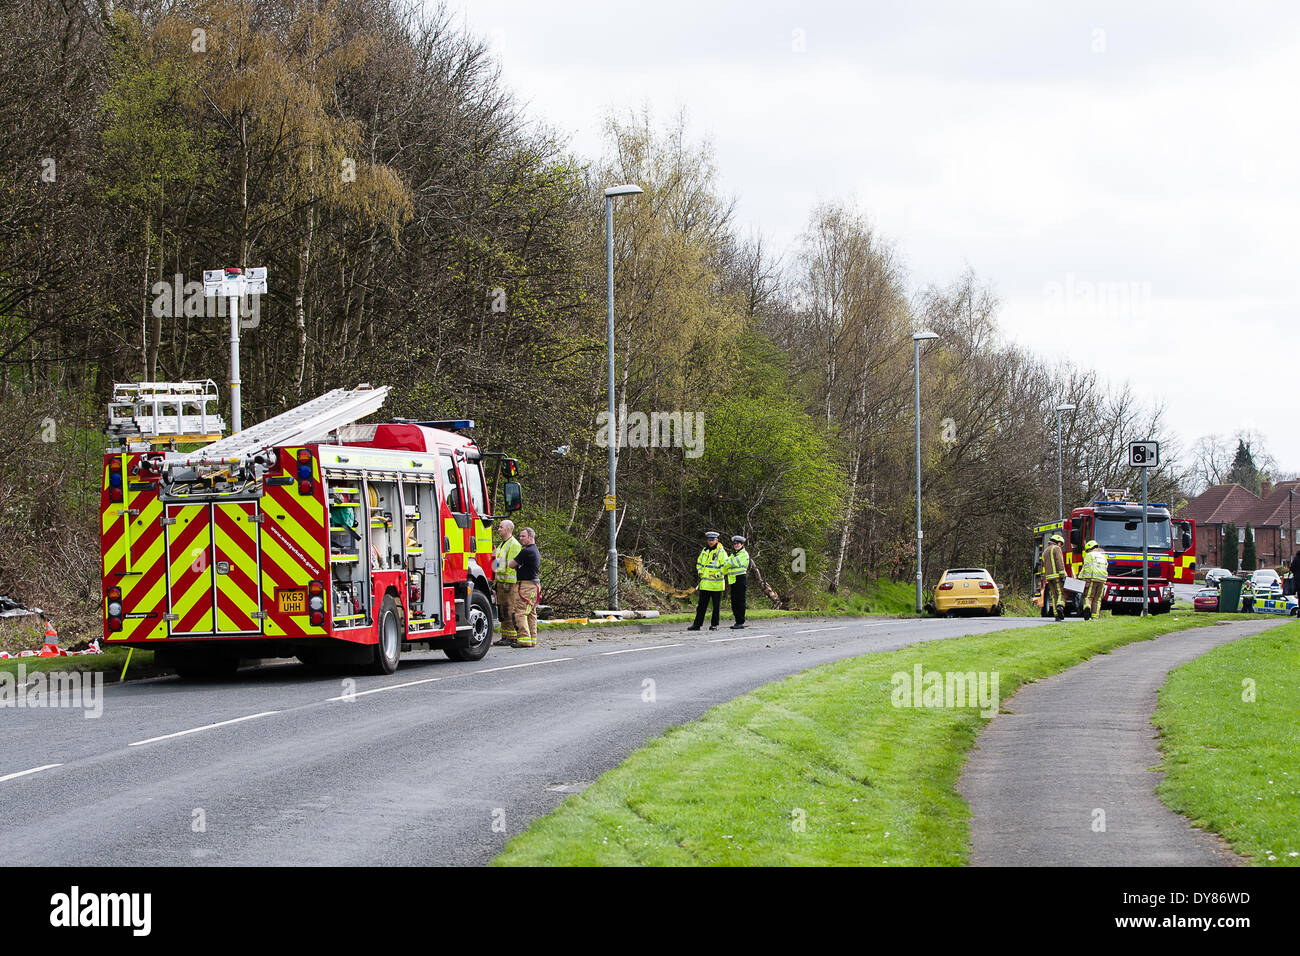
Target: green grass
(869, 782)
(110, 663)
(1232, 764)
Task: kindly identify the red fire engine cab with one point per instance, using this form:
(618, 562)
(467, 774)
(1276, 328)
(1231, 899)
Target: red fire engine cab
(1117, 527)
(306, 535)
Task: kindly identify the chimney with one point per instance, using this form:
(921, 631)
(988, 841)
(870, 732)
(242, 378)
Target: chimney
(1265, 488)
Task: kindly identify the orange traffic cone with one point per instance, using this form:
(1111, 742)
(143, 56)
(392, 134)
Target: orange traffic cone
(51, 648)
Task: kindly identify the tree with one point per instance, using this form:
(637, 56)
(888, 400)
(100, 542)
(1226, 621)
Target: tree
(1244, 471)
(1230, 547)
(1248, 560)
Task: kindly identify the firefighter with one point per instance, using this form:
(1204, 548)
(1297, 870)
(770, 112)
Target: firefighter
(737, 573)
(1096, 566)
(711, 566)
(528, 567)
(1054, 577)
(506, 579)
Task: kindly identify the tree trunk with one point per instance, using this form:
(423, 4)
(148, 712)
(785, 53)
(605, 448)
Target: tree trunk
(847, 527)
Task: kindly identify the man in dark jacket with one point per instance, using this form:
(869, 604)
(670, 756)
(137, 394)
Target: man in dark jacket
(528, 567)
(1295, 573)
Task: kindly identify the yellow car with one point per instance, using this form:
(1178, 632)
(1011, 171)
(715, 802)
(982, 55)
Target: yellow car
(963, 590)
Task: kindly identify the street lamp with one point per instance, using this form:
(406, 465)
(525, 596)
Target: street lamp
(1060, 496)
(917, 339)
(611, 502)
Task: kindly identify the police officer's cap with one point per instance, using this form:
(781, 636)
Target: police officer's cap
(738, 539)
(710, 534)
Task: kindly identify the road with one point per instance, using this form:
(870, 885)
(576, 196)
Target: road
(437, 764)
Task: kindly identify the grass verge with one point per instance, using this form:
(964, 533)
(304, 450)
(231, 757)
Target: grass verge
(1230, 732)
(817, 769)
(110, 663)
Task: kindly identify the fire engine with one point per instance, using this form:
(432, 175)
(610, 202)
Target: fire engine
(306, 535)
(1116, 526)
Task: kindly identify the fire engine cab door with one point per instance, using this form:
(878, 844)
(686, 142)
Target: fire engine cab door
(236, 565)
(189, 568)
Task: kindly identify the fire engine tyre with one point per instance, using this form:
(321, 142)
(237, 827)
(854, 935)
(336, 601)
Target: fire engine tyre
(480, 635)
(392, 632)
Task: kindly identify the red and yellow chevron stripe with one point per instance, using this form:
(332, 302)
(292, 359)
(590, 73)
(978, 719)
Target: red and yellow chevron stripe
(237, 576)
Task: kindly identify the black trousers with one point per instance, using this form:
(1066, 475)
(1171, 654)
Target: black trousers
(738, 598)
(705, 598)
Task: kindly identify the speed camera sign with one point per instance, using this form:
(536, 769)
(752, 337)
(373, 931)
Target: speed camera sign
(1144, 454)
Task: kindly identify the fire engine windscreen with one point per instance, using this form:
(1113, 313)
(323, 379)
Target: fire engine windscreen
(1125, 534)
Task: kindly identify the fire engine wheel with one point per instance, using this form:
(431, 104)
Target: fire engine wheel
(480, 635)
(392, 632)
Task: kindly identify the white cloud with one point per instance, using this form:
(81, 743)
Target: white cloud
(992, 135)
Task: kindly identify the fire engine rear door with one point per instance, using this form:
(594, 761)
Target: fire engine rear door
(236, 563)
(189, 569)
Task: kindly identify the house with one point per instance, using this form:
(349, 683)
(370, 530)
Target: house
(1273, 518)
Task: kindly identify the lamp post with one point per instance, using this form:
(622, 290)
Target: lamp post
(611, 502)
(1060, 473)
(917, 339)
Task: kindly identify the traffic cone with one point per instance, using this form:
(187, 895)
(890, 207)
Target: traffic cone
(51, 648)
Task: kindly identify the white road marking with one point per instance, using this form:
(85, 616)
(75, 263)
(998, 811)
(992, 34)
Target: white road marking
(23, 773)
(746, 637)
(634, 650)
(510, 667)
(195, 730)
(814, 630)
(380, 690)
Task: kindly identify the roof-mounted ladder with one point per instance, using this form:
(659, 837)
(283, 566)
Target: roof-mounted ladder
(312, 421)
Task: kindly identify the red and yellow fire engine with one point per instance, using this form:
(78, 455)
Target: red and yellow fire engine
(1117, 527)
(304, 535)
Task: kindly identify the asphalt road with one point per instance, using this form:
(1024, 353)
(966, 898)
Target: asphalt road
(1062, 777)
(437, 764)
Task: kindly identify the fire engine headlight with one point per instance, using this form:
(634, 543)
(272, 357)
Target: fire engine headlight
(114, 609)
(316, 603)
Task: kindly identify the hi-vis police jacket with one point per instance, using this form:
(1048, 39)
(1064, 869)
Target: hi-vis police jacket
(737, 565)
(1095, 565)
(711, 566)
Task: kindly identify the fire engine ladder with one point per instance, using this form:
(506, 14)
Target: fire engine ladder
(157, 413)
(309, 422)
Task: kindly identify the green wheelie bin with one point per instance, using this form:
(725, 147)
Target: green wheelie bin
(1230, 594)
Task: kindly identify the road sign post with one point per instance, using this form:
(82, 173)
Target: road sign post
(1144, 455)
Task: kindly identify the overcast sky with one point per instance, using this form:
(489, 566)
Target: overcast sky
(1125, 175)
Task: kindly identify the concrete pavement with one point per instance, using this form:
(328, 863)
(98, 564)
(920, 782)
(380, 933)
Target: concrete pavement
(1063, 778)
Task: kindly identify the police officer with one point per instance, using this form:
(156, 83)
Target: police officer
(1054, 577)
(1248, 597)
(711, 566)
(1096, 566)
(737, 574)
(506, 579)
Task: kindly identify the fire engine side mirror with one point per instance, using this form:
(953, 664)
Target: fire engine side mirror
(514, 497)
(1076, 538)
